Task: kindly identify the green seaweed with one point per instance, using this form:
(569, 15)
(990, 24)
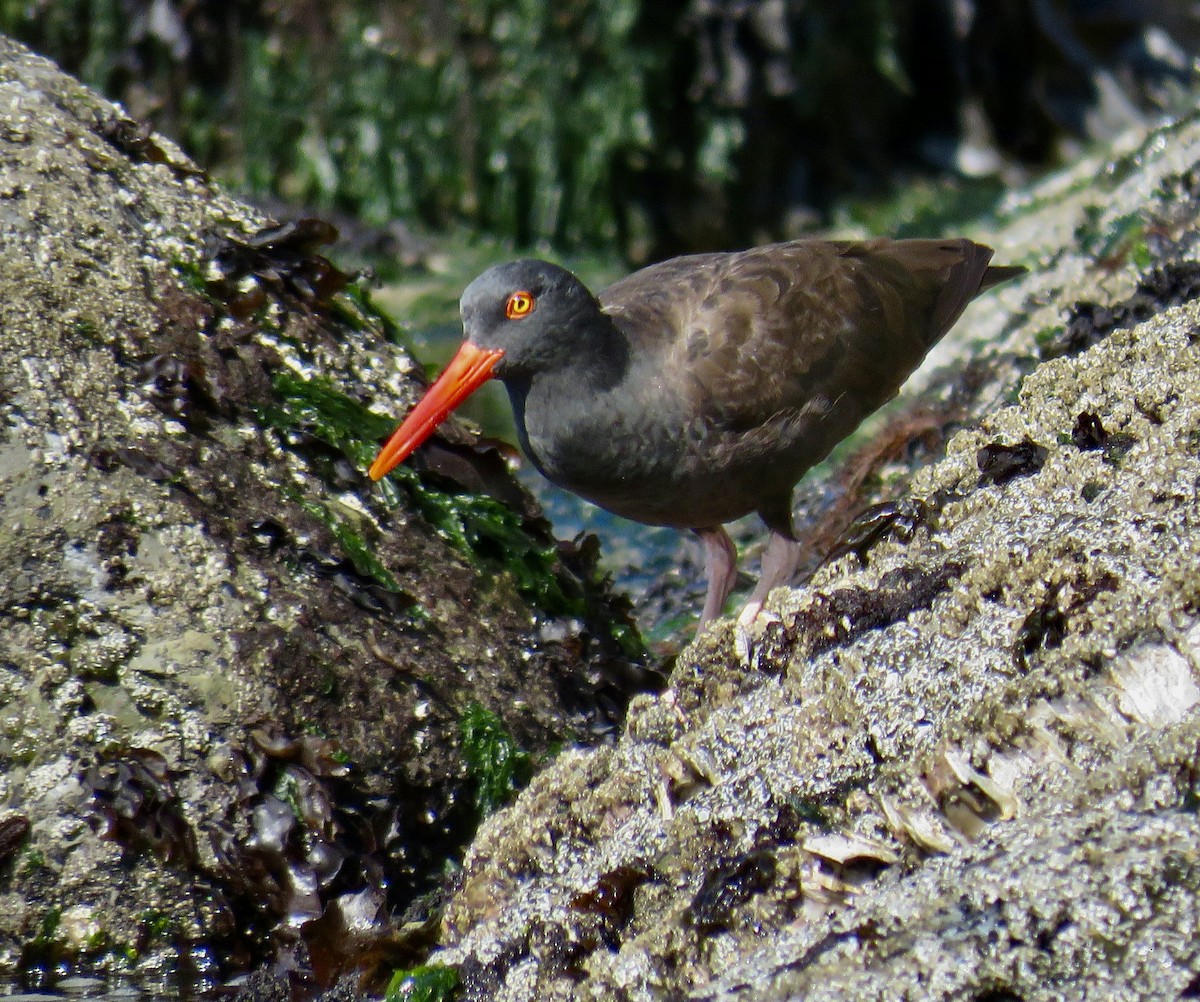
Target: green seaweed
(355, 307)
(287, 789)
(483, 529)
(320, 409)
(1123, 237)
(352, 543)
(48, 934)
(1048, 336)
(192, 275)
(428, 983)
(628, 640)
(486, 530)
(811, 811)
(157, 925)
(87, 331)
(30, 861)
(494, 759)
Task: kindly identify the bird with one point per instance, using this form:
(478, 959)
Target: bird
(702, 388)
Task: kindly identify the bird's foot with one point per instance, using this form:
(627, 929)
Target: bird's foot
(779, 562)
(753, 614)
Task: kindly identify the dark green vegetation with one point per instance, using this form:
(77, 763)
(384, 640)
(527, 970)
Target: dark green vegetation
(652, 127)
(497, 764)
(341, 423)
(480, 526)
(431, 983)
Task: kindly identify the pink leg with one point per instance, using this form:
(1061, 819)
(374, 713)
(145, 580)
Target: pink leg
(720, 566)
(779, 561)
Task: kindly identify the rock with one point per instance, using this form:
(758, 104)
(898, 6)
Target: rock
(231, 685)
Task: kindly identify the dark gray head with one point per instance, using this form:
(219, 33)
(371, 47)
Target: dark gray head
(540, 315)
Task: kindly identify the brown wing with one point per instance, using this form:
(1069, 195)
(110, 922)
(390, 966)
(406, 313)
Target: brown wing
(795, 329)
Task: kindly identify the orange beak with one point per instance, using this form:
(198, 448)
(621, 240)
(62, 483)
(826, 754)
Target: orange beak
(468, 370)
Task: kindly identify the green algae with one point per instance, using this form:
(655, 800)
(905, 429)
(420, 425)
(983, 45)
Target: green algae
(428, 983)
(353, 544)
(355, 308)
(496, 762)
(287, 789)
(480, 527)
(31, 860)
(48, 935)
(191, 274)
(488, 531)
(318, 408)
(1114, 239)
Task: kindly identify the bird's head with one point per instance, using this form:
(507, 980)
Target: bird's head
(518, 318)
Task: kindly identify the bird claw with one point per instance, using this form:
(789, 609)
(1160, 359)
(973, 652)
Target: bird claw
(754, 615)
(749, 614)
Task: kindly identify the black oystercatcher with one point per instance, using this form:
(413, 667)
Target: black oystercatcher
(702, 388)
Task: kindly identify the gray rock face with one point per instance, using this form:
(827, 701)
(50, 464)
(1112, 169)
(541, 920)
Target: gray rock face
(964, 765)
(230, 679)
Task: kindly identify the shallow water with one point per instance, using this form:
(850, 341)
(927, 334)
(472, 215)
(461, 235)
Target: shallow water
(76, 988)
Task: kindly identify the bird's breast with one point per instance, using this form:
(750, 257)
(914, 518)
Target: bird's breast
(638, 455)
(586, 441)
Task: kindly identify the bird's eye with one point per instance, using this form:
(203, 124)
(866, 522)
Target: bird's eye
(519, 304)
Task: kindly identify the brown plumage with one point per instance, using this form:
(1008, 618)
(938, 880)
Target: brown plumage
(702, 388)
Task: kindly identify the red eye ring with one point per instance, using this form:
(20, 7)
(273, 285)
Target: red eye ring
(519, 304)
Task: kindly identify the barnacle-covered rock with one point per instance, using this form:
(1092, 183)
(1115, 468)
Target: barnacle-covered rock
(232, 673)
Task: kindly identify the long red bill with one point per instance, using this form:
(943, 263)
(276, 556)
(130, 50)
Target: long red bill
(468, 370)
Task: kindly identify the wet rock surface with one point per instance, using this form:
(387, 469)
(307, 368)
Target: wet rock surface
(232, 674)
